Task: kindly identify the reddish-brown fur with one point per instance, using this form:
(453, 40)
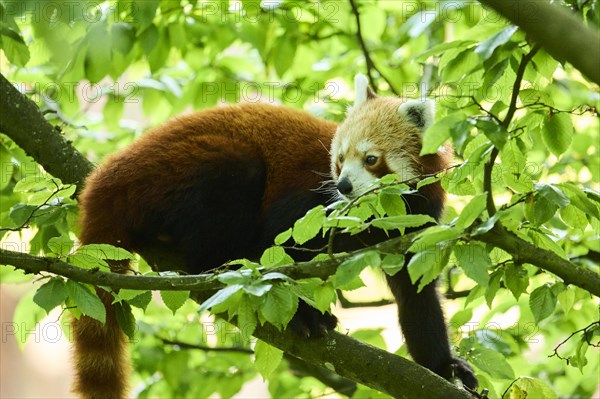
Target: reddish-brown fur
(163, 164)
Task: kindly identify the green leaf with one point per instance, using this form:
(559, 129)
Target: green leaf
(284, 54)
(86, 301)
(87, 261)
(34, 184)
(443, 47)
(516, 279)
(461, 317)
(149, 38)
(427, 264)
(458, 67)
(105, 251)
(283, 237)
(401, 221)
(257, 288)
(27, 315)
(493, 363)
(439, 132)
(141, 301)
(51, 294)
(553, 194)
(174, 299)
(309, 226)
(493, 287)
(580, 200)
(392, 264)
(279, 306)
(125, 318)
(324, 295)
(475, 261)
(542, 302)
(352, 267)
(144, 13)
(514, 168)
(539, 210)
(392, 203)
(566, 299)
(275, 256)
(61, 245)
(267, 358)
(434, 235)
(98, 54)
(471, 211)
(496, 133)
(486, 48)
(123, 37)
(528, 387)
(247, 320)
(13, 46)
(557, 132)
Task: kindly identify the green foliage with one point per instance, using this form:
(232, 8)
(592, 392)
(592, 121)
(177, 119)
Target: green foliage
(94, 66)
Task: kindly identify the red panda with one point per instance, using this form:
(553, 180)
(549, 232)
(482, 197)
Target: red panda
(220, 184)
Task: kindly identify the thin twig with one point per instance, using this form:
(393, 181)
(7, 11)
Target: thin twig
(512, 108)
(363, 46)
(25, 223)
(584, 330)
(186, 345)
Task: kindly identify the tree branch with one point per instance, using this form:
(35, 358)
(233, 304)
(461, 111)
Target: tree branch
(200, 282)
(22, 121)
(559, 31)
(526, 252)
(360, 362)
(363, 46)
(505, 123)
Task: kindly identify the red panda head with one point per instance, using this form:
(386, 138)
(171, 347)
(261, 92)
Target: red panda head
(381, 135)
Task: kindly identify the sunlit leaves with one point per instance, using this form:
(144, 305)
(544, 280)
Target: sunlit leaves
(51, 294)
(486, 48)
(86, 301)
(439, 132)
(174, 299)
(558, 132)
(493, 363)
(542, 302)
(279, 306)
(527, 387)
(515, 169)
(267, 358)
(475, 261)
(309, 226)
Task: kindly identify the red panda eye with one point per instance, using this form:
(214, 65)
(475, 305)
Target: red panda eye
(341, 158)
(371, 160)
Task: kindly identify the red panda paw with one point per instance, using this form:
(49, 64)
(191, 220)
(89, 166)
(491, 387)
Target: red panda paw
(309, 322)
(459, 368)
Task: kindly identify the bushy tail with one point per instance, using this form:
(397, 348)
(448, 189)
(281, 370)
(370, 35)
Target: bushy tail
(101, 356)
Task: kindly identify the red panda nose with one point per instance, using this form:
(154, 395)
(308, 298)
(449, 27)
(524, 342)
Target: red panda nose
(344, 186)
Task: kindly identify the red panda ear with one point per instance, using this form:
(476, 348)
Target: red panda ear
(363, 91)
(420, 113)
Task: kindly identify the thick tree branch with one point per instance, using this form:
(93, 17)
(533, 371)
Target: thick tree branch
(559, 31)
(364, 363)
(22, 121)
(526, 252)
(336, 352)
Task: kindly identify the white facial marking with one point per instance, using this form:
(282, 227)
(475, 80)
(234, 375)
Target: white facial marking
(364, 146)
